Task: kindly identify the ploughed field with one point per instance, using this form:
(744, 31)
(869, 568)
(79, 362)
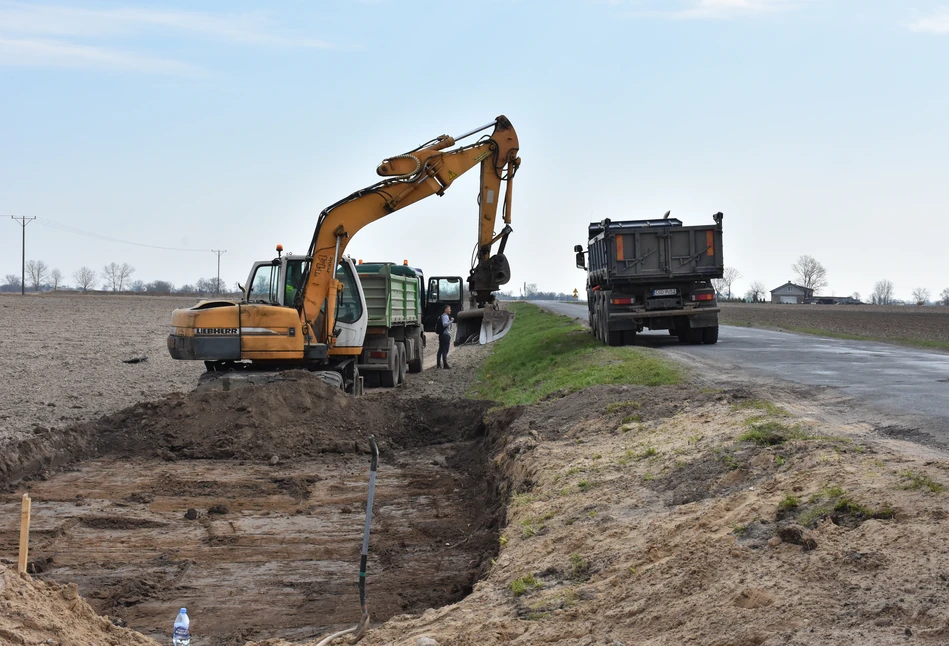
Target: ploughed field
(881, 322)
(61, 357)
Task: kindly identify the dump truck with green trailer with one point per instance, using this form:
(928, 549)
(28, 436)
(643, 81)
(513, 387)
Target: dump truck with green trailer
(395, 337)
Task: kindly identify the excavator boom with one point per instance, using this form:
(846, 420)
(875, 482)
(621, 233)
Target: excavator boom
(427, 170)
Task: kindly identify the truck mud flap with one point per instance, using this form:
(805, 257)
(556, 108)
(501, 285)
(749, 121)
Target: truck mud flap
(486, 325)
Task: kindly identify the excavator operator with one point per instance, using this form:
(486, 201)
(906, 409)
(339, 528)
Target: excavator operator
(294, 278)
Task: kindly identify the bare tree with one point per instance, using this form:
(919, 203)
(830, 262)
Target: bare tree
(125, 271)
(84, 277)
(810, 273)
(11, 280)
(944, 297)
(37, 272)
(920, 295)
(55, 278)
(110, 273)
(756, 291)
(855, 296)
(117, 275)
(882, 292)
(723, 285)
(205, 286)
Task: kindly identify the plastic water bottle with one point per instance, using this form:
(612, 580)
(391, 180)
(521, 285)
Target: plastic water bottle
(182, 634)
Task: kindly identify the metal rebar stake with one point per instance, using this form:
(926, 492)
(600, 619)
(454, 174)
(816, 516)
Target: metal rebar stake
(363, 559)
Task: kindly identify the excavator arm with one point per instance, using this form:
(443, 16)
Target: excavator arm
(428, 170)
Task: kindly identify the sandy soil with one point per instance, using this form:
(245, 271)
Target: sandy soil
(883, 322)
(632, 516)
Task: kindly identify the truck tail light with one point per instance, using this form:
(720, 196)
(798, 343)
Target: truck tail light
(621, 301)
(703, 297)
(378, 355)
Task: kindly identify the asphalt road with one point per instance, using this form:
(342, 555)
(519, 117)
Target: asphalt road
(907, 386)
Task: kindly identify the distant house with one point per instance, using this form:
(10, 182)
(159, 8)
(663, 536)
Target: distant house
(790, 293)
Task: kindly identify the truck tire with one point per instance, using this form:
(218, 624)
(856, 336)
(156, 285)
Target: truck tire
(403, 363)
(692, 336)
(415, 363)
(370, 378)
(710, 335)
(390, 378)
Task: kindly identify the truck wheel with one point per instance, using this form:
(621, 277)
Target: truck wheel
(710, 335)
(370, 378)
(415, 363)
(692, 336)
(400, 348)
(390, 378)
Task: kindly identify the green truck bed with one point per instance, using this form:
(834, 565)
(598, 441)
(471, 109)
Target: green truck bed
(392, 294)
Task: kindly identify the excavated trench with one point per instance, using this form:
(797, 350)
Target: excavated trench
(247, 507)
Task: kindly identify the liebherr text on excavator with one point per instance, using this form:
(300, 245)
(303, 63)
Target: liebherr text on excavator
(310, 311)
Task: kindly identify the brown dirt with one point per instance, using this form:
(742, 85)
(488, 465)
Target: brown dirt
(883, 322)
(633, 516)
(283, 466)
(34, 612)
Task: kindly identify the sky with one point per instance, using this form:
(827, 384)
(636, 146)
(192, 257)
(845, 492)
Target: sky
(155, 132)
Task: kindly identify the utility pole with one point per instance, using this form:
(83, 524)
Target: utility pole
(217, 285)
(23, 220)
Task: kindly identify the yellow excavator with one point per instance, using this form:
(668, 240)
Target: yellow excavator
(310, 311)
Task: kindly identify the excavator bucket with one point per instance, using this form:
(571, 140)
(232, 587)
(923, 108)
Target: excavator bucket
(482, 325)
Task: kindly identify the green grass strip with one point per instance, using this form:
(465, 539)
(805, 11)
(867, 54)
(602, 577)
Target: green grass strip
(545, 353)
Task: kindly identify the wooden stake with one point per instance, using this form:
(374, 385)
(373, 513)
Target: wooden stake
(24, 533)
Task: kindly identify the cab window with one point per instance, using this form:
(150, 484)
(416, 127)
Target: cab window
(444, 289)
(264, 285)
(297, 271)
(349, 309)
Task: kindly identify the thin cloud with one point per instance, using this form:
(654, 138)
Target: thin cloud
(712, 9)
(57, 36)
(938, 23)
(31, 52)
(52, 20)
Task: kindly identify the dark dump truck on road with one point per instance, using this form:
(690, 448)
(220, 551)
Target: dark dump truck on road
(654, 274)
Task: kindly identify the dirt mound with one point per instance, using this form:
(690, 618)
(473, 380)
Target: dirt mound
(296, 415)
(33, 612)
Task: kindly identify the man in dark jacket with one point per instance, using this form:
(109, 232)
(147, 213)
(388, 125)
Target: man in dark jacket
(443, 327)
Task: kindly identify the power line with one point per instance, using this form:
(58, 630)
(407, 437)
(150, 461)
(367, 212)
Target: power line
(23, 220)
(70, 229)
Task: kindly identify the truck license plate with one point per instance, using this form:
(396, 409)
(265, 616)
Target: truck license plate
(664, 292)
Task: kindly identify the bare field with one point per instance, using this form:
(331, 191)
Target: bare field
(892, 323)
(61, 357)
